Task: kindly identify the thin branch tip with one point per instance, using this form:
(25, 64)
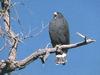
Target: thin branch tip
(91, 40)
(81, 35)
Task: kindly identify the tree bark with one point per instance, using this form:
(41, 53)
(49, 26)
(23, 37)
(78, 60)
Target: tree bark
(11, 64)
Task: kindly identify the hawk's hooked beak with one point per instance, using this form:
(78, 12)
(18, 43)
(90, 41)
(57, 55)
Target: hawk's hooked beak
(55, 14)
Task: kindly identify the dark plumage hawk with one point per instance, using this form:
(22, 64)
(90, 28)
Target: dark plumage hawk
(59, 35)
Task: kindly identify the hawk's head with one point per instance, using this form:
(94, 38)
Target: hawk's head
(57, 15)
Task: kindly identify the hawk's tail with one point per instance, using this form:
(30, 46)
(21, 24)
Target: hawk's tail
(61, 59)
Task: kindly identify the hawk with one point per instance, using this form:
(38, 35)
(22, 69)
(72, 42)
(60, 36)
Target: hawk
(59, 35)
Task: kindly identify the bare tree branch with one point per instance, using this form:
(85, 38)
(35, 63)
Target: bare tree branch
(35, 55)
(12, 36)
(3, 46)
(7, 65)
(11, 64)
(43, 52)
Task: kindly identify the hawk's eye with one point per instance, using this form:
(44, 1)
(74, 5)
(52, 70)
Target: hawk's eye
(55, 14)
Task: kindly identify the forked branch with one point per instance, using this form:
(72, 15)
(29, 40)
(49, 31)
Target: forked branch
(11, 64)
(40, 53)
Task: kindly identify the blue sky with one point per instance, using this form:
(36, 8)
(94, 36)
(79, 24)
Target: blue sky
(83, 16)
